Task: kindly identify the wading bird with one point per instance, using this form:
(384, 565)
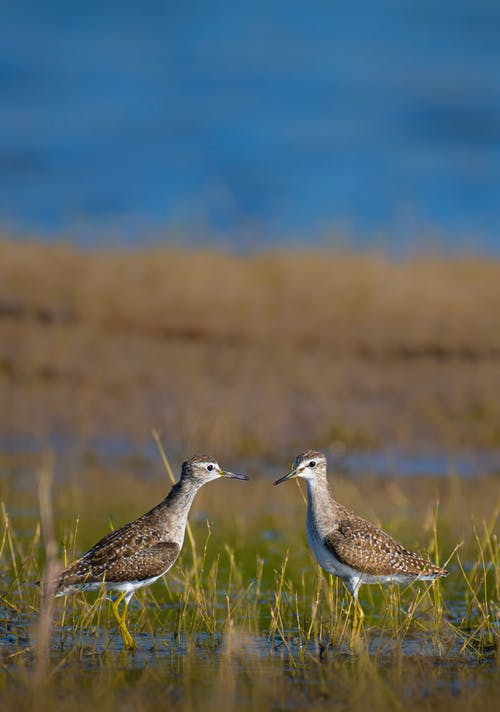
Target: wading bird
(348, 546)
(143, 550)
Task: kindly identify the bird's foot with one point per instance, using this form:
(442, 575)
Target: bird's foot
(128, 641)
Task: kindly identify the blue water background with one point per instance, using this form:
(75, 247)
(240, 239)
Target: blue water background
(250, 123)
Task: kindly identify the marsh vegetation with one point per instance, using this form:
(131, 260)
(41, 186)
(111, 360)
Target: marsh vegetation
(246, 618)
(249, 359)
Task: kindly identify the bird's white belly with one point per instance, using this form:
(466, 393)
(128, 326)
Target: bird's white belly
(128, 586)
(325, 557)
(328, 561)
(131, 585)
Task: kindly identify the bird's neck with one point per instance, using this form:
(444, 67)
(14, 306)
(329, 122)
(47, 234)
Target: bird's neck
(181, 495)
(320, 505)
(177, 504)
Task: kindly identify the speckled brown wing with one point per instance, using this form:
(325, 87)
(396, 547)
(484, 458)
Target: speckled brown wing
(132, 553)
(367, 548)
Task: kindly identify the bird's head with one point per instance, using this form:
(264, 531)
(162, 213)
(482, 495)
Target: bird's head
(203, 468)
(310, 465)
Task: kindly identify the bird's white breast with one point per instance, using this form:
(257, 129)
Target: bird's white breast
(324, 556)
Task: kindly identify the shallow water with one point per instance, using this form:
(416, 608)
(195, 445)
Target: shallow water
(108, 451)
(242, 650)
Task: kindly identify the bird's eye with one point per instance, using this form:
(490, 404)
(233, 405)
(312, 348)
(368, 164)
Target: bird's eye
(210, 468)
(312, 463)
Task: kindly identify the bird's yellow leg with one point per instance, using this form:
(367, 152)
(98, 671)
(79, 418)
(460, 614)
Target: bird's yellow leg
(127, 638)
(361, 613)
(357, 639)
(115, 608)
(358, 615)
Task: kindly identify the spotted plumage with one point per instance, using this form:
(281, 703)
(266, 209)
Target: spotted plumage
(365, 547)
(124, 556)
(140, 552)
(348, 546)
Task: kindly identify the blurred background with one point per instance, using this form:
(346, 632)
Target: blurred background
(257, 227)
(254, 228)
(263, 123)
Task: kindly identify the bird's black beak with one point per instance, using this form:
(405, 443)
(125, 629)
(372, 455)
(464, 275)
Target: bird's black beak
(286, 477)
(233, 475)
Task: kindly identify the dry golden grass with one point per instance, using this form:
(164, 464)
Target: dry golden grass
(339, 301)
(249, 354)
